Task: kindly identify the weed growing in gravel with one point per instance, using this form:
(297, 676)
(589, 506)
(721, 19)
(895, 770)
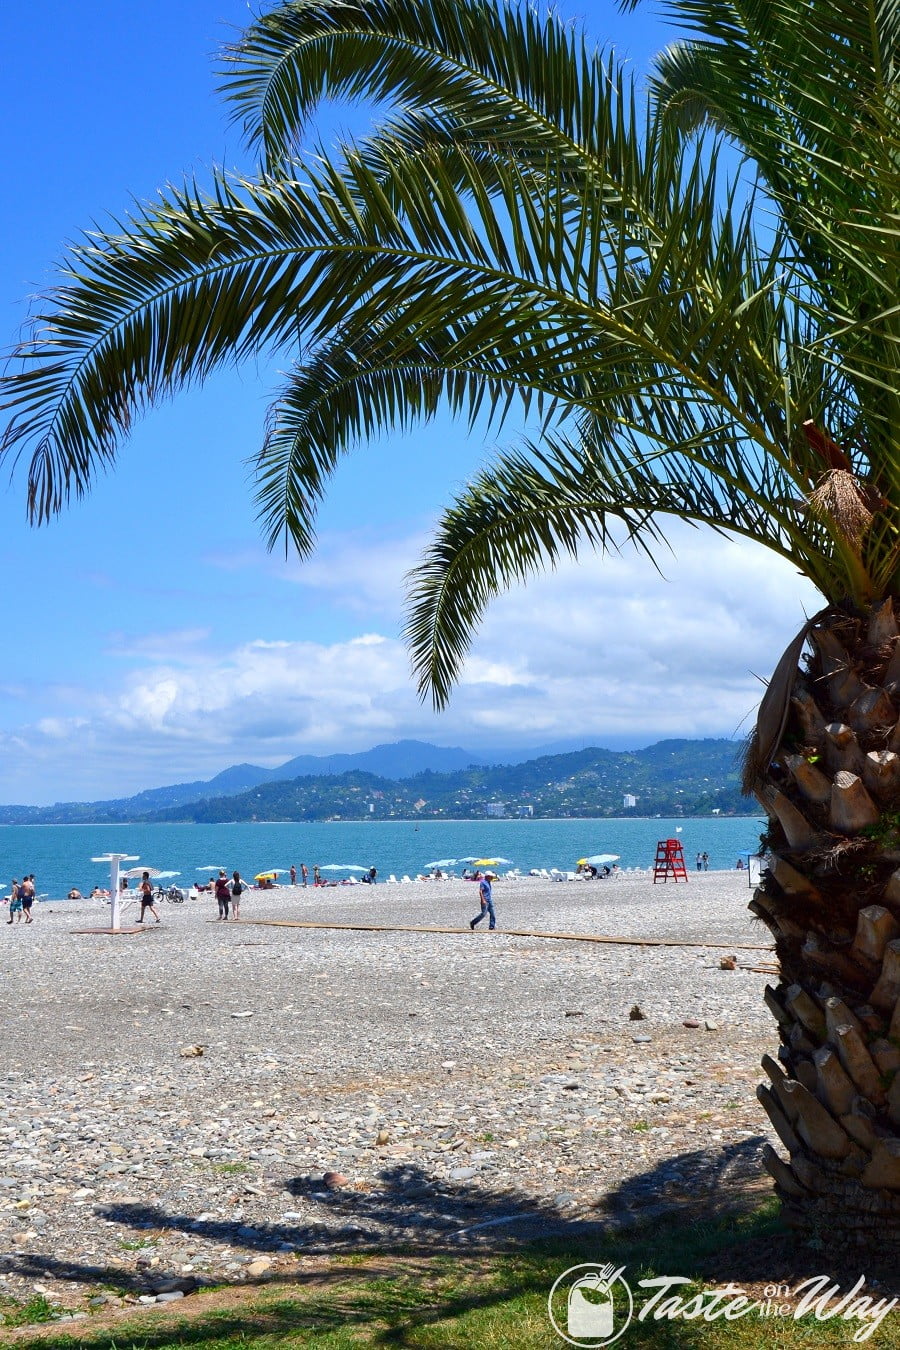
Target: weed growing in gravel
(37, 1309)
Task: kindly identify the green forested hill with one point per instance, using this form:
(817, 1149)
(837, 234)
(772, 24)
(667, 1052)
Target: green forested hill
(669, 778)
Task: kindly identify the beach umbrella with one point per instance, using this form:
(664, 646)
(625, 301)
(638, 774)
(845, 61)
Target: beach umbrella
(599, 860)
(209, 869)
(445, 862)
(164, 876)
(134, 872)
(490, 862)
(266, 876)
(343, 867)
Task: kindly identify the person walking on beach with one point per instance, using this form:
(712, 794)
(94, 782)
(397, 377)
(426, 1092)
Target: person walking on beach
(317, 876)
(146, 890)
(304, 874)
(485, 895)
(26, 895)
(706, 862)
(223, 894)
(15, 902)
(237, 890)
(699, 862)
(293, 875)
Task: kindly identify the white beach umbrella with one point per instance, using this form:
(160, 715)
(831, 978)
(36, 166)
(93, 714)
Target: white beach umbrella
(600, 859)
(343, 867)
(209, 869)
(134, 872)
(445, 862)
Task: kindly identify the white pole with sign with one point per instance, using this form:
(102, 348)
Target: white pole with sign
(115, 910)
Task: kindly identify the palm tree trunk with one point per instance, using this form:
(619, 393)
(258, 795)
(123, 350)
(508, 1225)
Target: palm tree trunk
(831, 898)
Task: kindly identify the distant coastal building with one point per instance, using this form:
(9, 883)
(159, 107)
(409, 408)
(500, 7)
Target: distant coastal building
(525, 812)
(629, 801)
(497, 809)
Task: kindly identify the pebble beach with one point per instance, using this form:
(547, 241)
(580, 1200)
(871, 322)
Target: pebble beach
(205, 1102)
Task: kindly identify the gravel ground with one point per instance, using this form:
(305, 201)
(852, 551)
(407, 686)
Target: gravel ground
(207, 1101)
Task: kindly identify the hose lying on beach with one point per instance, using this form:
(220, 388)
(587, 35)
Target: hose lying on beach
(509, 932)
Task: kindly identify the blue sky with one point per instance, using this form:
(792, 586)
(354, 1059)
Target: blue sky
(151, 639)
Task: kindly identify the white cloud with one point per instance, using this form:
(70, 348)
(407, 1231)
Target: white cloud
(603, 650)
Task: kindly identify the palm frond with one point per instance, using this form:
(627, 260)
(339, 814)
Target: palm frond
(536, 506)
(497, 73)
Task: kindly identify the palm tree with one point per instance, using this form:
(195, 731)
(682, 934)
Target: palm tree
(693, 295)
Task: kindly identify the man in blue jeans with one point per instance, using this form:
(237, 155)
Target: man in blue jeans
(487, 902)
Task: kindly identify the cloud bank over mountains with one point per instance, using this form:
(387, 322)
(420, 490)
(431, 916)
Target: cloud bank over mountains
(606, 650)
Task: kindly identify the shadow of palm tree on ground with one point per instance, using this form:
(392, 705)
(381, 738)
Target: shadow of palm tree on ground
(411, 1211)
(698, 1211)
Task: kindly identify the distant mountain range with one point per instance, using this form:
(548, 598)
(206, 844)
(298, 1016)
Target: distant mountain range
(413, 779)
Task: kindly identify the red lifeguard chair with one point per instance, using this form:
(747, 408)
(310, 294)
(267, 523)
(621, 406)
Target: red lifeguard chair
(669, 861)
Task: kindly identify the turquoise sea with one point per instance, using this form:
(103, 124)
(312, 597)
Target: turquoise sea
(60, 855)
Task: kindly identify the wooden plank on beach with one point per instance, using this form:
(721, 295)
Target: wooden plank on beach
(507, 932)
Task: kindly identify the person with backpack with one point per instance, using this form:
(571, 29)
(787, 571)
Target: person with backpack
(237, 890)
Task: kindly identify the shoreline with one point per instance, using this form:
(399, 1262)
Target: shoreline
(360, 820)
(290, 892)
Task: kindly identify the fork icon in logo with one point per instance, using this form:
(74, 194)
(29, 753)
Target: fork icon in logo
(593, 1299)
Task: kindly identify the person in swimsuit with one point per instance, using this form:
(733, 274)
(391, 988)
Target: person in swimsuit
(147, 898)
(15, 904)
(26, 895)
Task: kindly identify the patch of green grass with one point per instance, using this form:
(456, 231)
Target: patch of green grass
(36, 1309)
(230, 1168)
(479, 1300)
(642, 1126)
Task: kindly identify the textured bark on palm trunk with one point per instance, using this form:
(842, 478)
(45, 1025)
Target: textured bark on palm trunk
(830, 786)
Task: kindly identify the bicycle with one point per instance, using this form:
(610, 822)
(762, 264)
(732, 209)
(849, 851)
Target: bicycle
(174, 894)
